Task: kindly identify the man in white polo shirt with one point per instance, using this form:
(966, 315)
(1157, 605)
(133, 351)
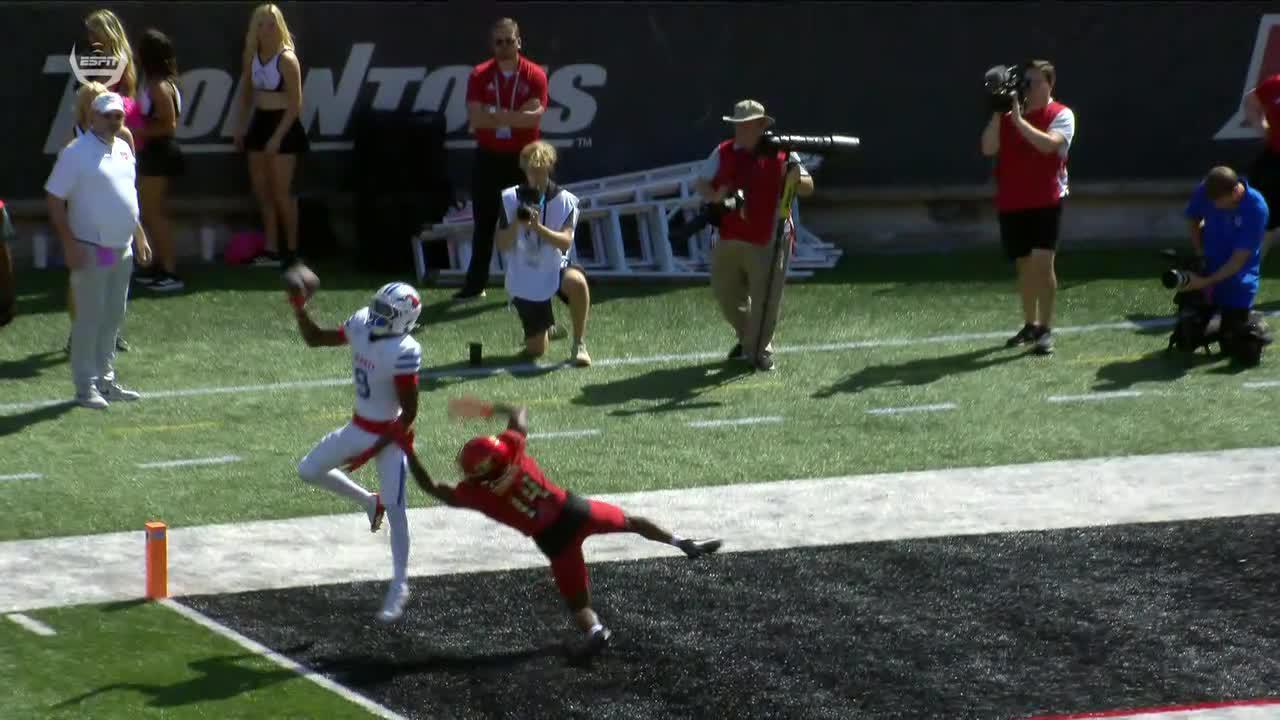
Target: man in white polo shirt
(535, 236)
(93, 207)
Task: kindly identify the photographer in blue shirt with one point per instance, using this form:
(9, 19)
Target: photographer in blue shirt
(1228, 219)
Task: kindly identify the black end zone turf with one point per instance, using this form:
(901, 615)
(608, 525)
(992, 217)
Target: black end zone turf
(991, 627)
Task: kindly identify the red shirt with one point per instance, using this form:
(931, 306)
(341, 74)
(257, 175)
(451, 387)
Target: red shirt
(1025, 177)
(760, 178)
(529, 503)
(1268, 93)
(491, 88)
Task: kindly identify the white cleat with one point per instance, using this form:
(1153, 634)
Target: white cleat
(113, 392)
(376, 513)
(393, 606)
(91, 399)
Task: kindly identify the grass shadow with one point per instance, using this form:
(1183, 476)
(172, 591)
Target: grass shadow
(32, 365)
(13, 424)
(219, 678)
(675, 388)
(516, 365)
(922, 371)
(1156, 366)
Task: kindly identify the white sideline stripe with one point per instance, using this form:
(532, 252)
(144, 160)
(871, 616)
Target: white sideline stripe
(184, 463)
(612, 362)
(273, 554)
(563, 434)
(200, 618)
(1095, 396)
(32, 624)
(22, 476)
(738, 421)
(1262, 384)
(911, 409)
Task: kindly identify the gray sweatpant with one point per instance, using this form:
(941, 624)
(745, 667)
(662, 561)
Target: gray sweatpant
(100, 294)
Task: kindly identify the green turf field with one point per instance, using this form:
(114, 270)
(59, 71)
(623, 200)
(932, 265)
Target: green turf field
(232, 330)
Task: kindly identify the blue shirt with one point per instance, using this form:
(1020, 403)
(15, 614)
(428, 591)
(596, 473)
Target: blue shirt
(1226, 231)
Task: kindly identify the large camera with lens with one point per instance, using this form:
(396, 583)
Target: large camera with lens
(528, 197)
(1004, 83)
(1184, 266)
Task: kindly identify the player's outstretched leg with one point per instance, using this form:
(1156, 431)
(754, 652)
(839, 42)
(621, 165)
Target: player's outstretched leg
(392, 472)
(652, 531)
(569, 569)
(319, 468)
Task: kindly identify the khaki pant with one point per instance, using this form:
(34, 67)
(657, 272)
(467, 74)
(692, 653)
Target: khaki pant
(740, 279)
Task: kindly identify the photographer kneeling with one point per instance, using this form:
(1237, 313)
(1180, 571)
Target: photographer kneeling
(1228, 220)
(537, 257)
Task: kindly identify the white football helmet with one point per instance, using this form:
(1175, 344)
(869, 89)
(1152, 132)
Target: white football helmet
(394, 309)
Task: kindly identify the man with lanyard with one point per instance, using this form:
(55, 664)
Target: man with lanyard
(93, 207)
(506, 96)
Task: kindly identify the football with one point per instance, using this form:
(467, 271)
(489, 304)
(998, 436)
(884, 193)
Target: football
(300, 280)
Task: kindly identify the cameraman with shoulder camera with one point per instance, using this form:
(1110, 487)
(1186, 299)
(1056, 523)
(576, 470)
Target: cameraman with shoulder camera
(535, 234)
(1228, 220)
(1030, 145)
(744, 278)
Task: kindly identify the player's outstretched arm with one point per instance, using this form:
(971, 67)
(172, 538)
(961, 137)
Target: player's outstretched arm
(443, 493)
(314, 335)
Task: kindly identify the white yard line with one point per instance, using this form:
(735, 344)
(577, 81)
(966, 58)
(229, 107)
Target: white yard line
(222, 460)
(259, 649)
(21, 476)
(609, 362)
(295, 552)
(1093, 397)
(1258, 385)
(737, 421)
(563, 434)
(911, 409)
(32, 624)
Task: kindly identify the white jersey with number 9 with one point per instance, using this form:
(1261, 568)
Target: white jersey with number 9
(376, 360)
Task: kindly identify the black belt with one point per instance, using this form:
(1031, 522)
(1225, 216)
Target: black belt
(553, 538)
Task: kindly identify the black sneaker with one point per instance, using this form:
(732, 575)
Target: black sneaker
(737, 353)
(764, 363)
(593, 646)
(1044, 341)
(1027, 334)
(167, 283)
(465, 295)
(266, 260)
(698, 548)
(145, 277)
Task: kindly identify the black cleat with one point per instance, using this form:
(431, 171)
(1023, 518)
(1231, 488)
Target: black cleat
(736, 353)
(1044, 342)
(698, 548)
(594, 645)
(1026, 335)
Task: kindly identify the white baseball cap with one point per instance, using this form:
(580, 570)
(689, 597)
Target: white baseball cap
(108, 102)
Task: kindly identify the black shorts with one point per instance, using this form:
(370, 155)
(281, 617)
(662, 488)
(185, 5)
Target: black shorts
(263, 125)
(535, 315)
(160, 157)
(1265, 178)
(1022, 231)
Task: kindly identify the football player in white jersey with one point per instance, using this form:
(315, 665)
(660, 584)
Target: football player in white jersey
(385, 363)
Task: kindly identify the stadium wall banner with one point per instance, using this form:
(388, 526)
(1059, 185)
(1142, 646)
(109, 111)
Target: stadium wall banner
(1156, 87)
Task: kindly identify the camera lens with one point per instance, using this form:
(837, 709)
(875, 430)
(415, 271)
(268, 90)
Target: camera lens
(1173, 279)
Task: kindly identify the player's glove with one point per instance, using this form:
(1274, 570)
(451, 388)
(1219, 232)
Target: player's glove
(297, 300)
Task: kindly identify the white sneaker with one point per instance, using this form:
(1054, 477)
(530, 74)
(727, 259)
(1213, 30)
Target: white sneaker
(113, 392)
(393, 605)
(579, 356)
(92, 399)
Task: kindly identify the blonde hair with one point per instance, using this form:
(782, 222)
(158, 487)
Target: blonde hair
(251, 36)
(106, 24)
(84, 102)
(538, 154)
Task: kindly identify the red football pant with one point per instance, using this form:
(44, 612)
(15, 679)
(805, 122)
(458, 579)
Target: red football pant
(568, 568)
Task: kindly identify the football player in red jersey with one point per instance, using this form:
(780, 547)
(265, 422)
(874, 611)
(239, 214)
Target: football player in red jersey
(502, 481)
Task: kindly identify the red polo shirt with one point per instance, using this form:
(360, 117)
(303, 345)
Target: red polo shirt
(489, 86)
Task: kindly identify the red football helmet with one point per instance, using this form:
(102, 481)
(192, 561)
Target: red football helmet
(484, 458)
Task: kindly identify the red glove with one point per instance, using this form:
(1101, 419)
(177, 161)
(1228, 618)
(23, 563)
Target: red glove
(297, 300)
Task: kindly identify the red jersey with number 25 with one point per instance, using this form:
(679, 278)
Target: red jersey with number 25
(527, 502)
